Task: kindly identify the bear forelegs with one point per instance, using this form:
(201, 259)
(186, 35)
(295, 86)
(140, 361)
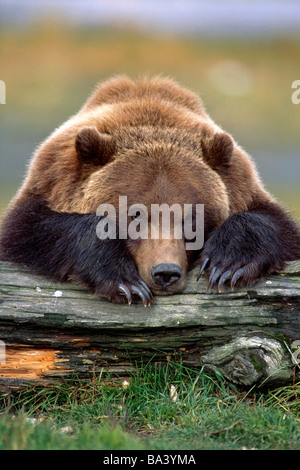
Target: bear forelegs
(250, 245)
(64, 246)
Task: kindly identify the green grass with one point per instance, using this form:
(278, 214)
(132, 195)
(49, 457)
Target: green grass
(201, 413)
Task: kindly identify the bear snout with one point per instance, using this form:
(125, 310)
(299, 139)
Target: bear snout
(166, 274)
(162, 264)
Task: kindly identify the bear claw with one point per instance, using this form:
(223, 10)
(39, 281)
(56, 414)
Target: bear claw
(204, 265)
(216, 274)
(142, 291)
(223, 278)
(239, 273)
(136, 290)
(151, 298)
(124, 290)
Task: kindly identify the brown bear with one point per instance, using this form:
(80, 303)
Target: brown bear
(152, 142)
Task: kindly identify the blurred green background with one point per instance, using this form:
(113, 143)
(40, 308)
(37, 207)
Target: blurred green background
(50, 63)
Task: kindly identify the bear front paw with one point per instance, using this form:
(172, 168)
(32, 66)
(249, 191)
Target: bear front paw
(139, 289)
(217, 276)
(125, 291)
(243, 250)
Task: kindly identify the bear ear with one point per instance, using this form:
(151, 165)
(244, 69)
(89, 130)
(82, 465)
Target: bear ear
(217, 150)
(94, 147)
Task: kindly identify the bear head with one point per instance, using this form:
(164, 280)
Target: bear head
(151, 183)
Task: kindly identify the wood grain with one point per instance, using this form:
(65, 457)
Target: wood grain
(52, 331)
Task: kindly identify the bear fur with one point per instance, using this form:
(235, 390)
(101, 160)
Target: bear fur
(152, 141)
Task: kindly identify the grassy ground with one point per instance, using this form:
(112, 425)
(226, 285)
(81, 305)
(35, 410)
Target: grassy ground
(157, 408)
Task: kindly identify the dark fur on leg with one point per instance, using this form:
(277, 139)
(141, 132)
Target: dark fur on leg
(250, 245)
(64, 246)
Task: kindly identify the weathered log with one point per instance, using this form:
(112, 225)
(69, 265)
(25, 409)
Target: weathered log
(50, 331)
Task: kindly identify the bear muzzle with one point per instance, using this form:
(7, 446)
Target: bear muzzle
(162, 264)
(166, 274)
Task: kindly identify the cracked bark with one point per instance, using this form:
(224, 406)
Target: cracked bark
(50, 331)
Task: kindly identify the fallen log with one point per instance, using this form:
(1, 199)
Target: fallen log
(51, 331)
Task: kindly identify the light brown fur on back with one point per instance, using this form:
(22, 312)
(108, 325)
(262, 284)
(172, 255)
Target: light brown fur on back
(133, 113)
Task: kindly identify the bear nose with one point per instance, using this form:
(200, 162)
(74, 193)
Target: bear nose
(166, 274)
